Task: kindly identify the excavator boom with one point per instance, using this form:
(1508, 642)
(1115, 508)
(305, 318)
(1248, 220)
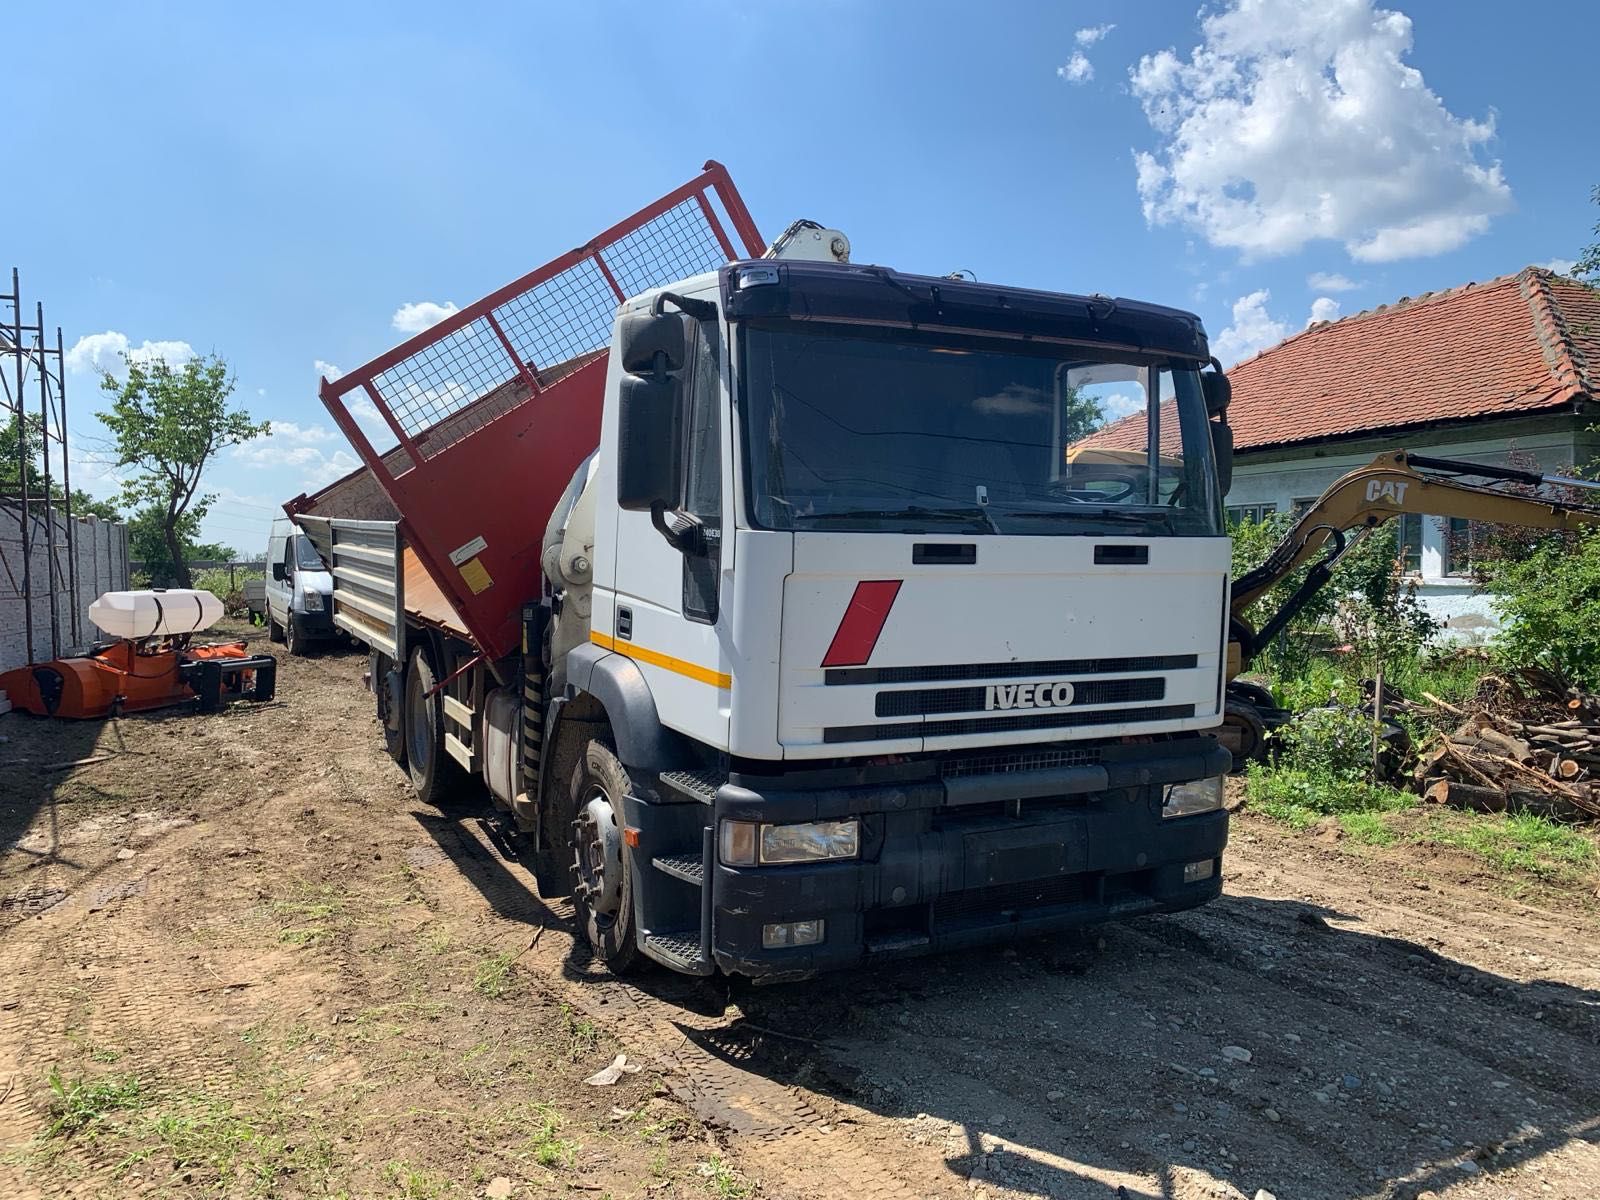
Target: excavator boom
(1392, 484)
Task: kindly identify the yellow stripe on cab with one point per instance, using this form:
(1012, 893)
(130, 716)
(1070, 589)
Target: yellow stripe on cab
(655, 658)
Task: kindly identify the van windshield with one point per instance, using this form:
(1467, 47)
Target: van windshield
(906, 432)
(305, 554)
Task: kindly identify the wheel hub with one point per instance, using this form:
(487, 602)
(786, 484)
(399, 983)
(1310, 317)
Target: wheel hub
(598, 850)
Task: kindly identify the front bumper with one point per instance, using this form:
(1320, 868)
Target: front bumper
(314, 624)
(950, 862)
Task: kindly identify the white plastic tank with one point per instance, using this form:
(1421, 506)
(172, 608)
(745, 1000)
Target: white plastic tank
(155, 613)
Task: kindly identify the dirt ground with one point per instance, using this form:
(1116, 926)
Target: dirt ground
(238, 958)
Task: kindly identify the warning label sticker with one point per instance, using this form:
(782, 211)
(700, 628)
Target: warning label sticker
(471, 550)
(476, 577)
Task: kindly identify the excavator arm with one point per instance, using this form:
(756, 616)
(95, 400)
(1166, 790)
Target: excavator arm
(1393, 483)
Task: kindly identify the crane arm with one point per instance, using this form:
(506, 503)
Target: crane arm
(1392, 484)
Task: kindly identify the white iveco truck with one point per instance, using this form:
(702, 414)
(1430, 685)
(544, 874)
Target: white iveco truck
(800, 610)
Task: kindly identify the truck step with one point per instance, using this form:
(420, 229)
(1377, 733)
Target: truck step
(679, 950)
(696, 785)
(682, 866)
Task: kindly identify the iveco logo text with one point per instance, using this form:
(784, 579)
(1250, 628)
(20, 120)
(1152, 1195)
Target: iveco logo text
(1027, 695)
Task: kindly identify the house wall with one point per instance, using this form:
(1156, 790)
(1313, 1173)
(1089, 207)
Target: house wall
(102, 550)
(1279, 478)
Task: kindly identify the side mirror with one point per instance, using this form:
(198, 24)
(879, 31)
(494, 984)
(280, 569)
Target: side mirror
(650, 444)
(1222, 450)
(641, 337)
(1218, 391)
(278, 573)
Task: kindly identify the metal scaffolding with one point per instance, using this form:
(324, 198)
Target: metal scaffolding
(33, 410)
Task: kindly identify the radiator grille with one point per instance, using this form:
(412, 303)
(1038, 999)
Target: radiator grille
(1019, 760)
(928, 701)
(1039, 719)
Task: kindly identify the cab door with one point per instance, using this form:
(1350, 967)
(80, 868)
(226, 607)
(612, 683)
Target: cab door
(669, 606)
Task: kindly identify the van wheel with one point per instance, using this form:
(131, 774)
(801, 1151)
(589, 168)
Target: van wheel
(433, 772)
(296, 641)
(603, 892)
(274, 630)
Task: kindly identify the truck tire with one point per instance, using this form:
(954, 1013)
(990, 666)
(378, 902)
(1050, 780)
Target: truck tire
(434, 774)
(603, 895)
(394, 743)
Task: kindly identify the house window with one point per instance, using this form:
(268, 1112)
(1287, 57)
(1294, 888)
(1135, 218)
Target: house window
(1300, 505)
(1458, 548)
(1238, 514)
(1408, 536)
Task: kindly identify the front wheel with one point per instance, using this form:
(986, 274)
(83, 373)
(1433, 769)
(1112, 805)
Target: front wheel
(296, 641)
(274, 630)
(603, 892)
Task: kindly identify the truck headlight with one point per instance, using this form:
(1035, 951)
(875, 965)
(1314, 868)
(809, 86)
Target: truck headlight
(1188, 799)
(313, 600)
(743, 843)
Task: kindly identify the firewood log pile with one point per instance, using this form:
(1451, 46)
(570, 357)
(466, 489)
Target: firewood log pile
(1527, 742)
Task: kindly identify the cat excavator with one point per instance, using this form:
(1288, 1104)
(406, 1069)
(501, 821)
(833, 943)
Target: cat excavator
(1394, 483)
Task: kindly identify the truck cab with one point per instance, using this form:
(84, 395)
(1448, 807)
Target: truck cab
(927, 683)
(298, 590)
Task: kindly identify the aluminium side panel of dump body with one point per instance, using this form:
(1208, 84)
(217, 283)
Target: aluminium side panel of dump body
(487, 414)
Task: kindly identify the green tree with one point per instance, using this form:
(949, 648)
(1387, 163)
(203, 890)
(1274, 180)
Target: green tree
(1081, 415)
(169, 423)
(31, 468)
(147, 543)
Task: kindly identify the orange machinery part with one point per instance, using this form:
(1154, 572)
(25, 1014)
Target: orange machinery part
(115, 678)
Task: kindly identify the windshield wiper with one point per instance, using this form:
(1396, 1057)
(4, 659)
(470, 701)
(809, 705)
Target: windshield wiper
(980, 515)
(1084, 513)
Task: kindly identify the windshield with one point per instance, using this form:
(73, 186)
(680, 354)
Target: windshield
(306, 554)
(908, 432)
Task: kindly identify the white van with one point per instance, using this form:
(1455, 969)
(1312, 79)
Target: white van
(299, 589)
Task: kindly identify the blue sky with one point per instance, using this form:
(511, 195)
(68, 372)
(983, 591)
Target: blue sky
(273, 183)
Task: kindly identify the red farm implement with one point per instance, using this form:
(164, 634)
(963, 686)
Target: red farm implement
(495, 407)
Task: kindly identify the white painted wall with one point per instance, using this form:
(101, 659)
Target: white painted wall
(102, 550)
(1279, 478)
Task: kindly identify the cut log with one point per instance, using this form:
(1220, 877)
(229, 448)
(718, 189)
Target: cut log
(1565, 768)
(1468, 796)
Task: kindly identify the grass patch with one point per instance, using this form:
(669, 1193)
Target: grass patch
(544, 1141)
(85, 1105)
(582, 1036)
(722, 1180)
(1301, 798)
(493, 977)
(309, 918)
(414, 1183)
(1518, 842)
(1368, 827)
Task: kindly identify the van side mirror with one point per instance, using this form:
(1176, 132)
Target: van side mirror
(278, 574)
(650, 443)
(1217, 390)
(1222, 451)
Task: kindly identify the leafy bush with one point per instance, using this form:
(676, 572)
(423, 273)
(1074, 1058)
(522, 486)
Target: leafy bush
(1335, 743)
(1301, 798)
(1549, 605)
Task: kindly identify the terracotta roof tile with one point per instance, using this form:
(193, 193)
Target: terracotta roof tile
(1522, 343)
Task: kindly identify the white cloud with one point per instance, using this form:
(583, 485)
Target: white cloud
(1323, 308)
(1253, 329)
(332, 466)
(1330, 281)
(288, 445)
(327, 370)
(1091, 35)
(1561, 266)
(1292, 122)
(1118, 405)
(1077, 69)
(424, 314)
(107, 353)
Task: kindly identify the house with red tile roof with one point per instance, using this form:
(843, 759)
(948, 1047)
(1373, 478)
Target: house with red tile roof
(1482, 372)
